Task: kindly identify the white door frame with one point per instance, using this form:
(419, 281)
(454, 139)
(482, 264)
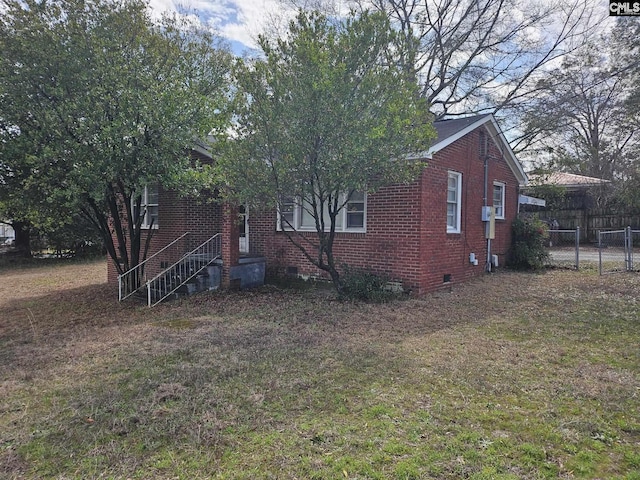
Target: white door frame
(244, 235)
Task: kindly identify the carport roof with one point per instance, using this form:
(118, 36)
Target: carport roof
(567, 180)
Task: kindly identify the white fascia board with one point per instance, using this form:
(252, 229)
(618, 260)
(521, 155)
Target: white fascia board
(453, 138)
(527, 200)
(419, 156)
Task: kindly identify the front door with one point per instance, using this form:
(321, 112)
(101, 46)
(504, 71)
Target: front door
(244, 228)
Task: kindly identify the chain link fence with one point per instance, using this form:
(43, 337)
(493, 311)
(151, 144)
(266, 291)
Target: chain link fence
(616, 249)
(635, 241)
(564, 248)
(613, 253)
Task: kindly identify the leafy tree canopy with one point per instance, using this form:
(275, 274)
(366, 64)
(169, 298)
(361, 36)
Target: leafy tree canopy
(483, 56)
(326, 113)
(97, 101)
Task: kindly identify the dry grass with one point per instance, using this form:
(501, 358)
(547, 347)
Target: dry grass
(510, 376)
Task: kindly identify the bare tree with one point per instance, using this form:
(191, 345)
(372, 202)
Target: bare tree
(626, 59)
(579, 118)
(476, 56)
(482, 56)
(584, 118)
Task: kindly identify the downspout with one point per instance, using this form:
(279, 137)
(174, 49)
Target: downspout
(487, 227)
(484, 151)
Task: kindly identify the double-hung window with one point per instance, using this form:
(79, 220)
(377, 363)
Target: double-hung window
(307, 221)
(287, 213)
(149, 207)
(355, 211)
(297, 214)
(454, 202)
(498, 199)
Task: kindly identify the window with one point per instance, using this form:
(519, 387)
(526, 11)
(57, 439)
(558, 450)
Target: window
(298, 215)
(308, 222)
(149, 207)
(454, 194)
(355, 211)
(498, 199)
(243, 230)
(286, 213)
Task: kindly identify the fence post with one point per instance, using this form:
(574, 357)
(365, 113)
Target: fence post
(577, 248)
(628, 247)
(599, 252)
(631, 247)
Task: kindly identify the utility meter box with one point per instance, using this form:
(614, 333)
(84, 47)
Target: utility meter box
(490, 229)
(486, 213)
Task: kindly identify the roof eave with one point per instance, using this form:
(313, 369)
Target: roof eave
(510, 157)
(202, 148)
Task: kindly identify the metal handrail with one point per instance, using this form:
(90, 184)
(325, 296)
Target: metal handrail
(184, 270)
(139, 267)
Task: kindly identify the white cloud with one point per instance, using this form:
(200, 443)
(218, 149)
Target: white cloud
(236, 20)
(252, 18)
(158, 7)
(242, 21)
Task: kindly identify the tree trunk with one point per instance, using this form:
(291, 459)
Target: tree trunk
(331, 264)
(335, 278)
(23, 238)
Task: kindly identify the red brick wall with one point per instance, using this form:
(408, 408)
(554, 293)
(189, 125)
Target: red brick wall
(177, 215)
(406, 236)
(448, 254)
(392, 219)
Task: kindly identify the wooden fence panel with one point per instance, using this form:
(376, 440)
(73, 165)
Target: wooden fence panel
(591, 221)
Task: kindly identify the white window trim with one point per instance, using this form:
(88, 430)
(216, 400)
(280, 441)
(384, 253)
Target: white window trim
(504, 187)
(458, 175)
(342, 228)
(143, 207)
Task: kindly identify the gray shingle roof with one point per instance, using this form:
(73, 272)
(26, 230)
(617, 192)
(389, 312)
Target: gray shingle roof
(448, 128)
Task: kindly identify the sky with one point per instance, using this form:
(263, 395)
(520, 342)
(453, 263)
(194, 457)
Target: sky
(239, 21)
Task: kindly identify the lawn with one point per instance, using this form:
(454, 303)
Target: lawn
(511, 376)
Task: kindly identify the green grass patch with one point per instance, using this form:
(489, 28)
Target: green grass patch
(508, 377)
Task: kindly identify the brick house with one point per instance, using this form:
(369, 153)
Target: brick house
(424, 235)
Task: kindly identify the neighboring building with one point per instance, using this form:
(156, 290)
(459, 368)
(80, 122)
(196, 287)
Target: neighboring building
(570, 181)
(579, 191)
(7, 235)
(424, 235)
(577, 202)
